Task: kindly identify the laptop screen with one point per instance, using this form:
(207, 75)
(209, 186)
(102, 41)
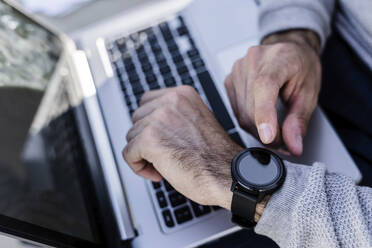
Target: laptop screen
(39, 170)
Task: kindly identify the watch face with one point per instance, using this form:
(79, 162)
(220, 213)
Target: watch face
(258, 169)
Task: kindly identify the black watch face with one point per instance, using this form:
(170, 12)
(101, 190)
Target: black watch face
(258, 168)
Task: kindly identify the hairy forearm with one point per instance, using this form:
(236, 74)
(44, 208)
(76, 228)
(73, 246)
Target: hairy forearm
(298, 36)
(226, 203)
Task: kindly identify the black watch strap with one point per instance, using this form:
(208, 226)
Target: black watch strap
(243, 207)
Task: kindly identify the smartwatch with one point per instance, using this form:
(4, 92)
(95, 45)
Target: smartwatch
(256, 172)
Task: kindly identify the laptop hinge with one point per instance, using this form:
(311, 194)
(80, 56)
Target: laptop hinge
(85, 87)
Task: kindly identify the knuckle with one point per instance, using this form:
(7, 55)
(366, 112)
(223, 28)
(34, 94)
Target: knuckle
(283, 48)
(172, 97)
(253, 51)
(236, 66)
(162, 113)
(267, 80)
(187, 90)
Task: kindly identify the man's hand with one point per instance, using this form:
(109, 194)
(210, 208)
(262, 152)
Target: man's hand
(286, 65)
(175, 136)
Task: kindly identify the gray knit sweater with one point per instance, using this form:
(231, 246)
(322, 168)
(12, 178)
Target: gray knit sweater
(352, 18)
(315, 208)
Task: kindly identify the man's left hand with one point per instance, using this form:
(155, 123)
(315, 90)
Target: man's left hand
(176, 136)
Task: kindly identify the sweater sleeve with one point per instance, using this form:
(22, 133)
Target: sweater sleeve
(316, 15)
(318, 209)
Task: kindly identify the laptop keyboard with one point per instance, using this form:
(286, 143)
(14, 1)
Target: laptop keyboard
(164, 56)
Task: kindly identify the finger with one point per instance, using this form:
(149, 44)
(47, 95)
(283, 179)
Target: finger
(136, 129)
(240, 90)
(149, 172)
(133, 157)
(153, 94)
(266, 92)
(146, 108)
(295, 124)
(231, 94)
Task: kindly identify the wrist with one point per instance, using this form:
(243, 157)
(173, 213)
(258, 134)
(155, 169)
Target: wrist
(261, 207)
(298, 36)
(221, 181)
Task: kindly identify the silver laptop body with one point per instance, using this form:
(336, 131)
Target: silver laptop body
(113, 53)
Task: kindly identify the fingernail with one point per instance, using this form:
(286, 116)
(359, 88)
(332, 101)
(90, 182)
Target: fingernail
(265, 132)
(299, 143)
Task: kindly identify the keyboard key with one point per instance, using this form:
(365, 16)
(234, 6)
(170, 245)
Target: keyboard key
(140, 49)
(168, 219)
(176, 199)
(155, 47)
(150, 78)
(164, 28)
(154, 86)
(121, 41)
(119, 71)
(200, 210)
(165, 69)
(168, 187)
(215, 100)
(137, 89)
(146, 67)
(142, 57)
(173, 48)
(156, 185)
(134, 37)
(122, 47)
(182, 30)
(182, 69)
(236, 137)
(127, 60)
(124, 88)
(183, 214)
(160, 58)
(133, 77)
(127, 101)
(180, 64)
(129, 67)
(175, 53)
(187, 81)
(148, 31)
(170, 81)
(161, 199)
(177, 58)
(151, 37)
(198, 63)
(144, 60)
(193, 53)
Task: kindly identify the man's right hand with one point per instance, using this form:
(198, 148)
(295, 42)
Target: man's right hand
(286, 65)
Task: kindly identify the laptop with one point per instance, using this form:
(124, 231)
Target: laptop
(66, 106)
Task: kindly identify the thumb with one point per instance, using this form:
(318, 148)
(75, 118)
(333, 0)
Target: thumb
(295, 124)
(265, 98)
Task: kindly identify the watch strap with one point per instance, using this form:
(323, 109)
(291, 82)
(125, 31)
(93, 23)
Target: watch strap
(243, 207)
